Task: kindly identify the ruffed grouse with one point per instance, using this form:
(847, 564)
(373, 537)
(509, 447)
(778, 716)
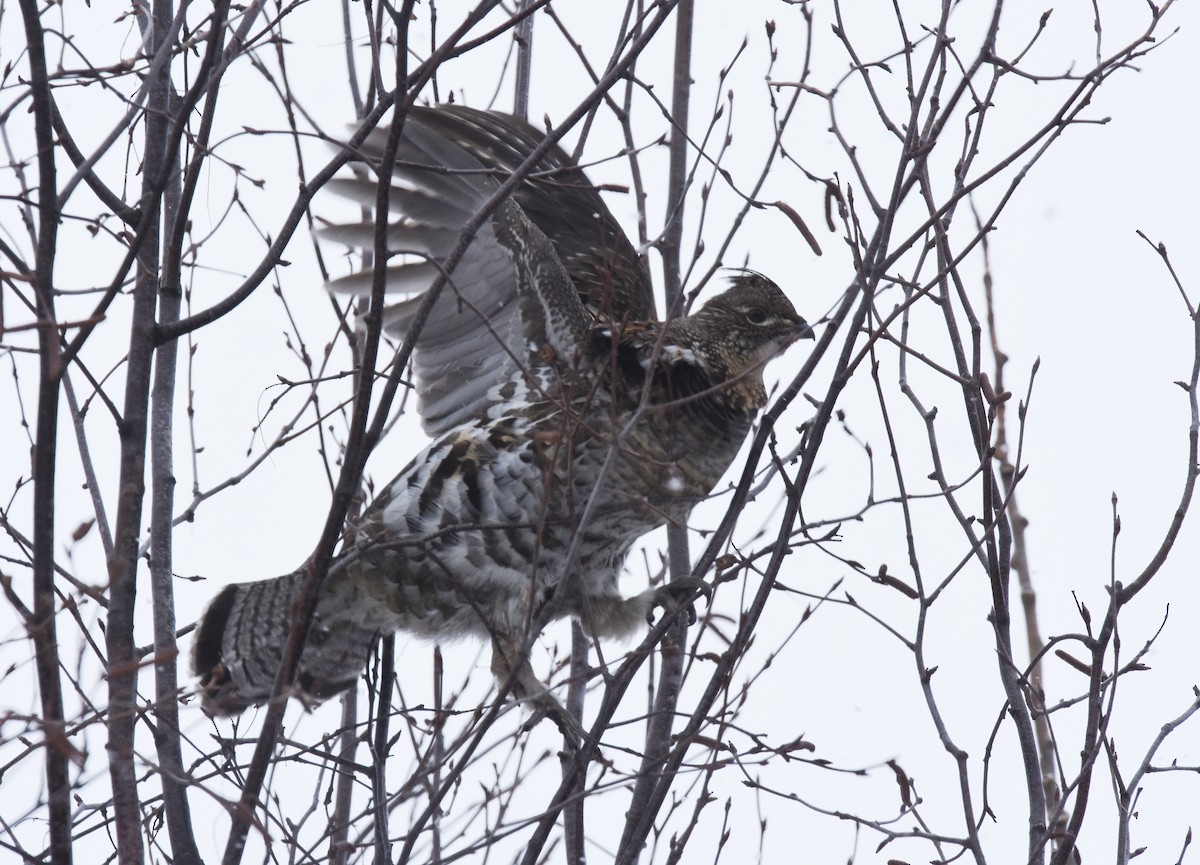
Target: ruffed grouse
(567, 421)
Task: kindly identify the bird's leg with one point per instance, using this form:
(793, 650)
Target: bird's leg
(507, 664)
(619, 617)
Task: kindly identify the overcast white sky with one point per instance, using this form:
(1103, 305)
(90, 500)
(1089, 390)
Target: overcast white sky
(1077, 288)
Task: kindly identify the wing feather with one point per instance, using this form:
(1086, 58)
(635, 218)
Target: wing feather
(508, 297)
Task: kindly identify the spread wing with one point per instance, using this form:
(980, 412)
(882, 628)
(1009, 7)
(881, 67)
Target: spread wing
(549, 261)
(559, 199)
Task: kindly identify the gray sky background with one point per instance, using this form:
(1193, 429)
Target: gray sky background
(1076, 287)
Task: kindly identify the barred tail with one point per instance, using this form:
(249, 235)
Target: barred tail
(239, 644)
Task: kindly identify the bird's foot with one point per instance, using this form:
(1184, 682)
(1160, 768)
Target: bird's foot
(679, 595)
(529, 691)
(543, 707)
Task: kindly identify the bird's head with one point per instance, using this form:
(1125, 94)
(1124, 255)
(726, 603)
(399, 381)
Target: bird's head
(751, 322)
(737, 332)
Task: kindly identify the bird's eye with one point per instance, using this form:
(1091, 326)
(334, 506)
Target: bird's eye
(756, 316)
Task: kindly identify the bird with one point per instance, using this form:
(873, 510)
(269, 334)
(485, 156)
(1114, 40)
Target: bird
(566, 421)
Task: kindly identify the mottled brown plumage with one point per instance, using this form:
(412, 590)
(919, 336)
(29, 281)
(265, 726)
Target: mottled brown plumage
(568, 422)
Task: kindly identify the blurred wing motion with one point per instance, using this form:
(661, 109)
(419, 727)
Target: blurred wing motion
(451, 160)
(551, 391)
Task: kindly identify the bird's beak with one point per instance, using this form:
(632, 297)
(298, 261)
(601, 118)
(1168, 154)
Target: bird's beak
(803, 331)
